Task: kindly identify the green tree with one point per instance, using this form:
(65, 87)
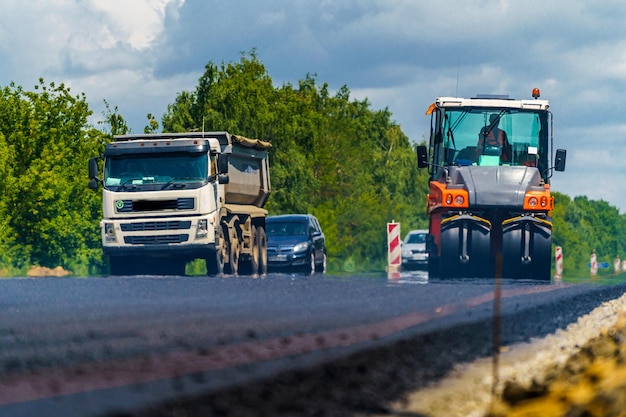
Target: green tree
(47, 142)
(153, 124)
(113, 122)
(582, 226)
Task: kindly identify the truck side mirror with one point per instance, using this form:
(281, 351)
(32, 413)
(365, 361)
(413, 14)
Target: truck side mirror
(222, 164)
(93, 168)
(559, 160)
(223, 179)
(422, 156)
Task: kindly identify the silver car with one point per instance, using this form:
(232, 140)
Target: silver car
(414, 252)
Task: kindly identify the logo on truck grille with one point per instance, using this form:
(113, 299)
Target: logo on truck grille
(128, 206)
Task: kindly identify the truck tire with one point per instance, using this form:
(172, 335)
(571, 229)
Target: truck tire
(251, 266)
(215, 264)
(232, 267)
(215, 260)
(262, 239)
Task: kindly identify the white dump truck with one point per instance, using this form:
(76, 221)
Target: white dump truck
(170, 198)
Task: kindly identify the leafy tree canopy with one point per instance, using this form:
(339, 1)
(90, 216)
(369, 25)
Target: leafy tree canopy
(337, 158)
(47, 212)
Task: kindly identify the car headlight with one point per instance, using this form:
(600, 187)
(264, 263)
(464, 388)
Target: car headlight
(406, 252)
(301, 247)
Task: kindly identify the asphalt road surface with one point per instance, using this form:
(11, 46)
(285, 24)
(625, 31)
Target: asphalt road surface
(282, 345)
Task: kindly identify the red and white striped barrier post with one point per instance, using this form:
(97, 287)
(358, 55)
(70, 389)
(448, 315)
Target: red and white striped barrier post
(558, 255)
(593, 269)
(394, 250)
(624, 265)
(617, 265)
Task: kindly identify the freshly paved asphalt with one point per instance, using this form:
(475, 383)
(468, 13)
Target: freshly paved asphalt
(105, 346)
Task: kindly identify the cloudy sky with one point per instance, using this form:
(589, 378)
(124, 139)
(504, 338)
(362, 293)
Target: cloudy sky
(400, 54)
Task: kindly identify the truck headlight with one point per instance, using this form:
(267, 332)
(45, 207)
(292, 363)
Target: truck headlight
(109, 232)
(202, 230)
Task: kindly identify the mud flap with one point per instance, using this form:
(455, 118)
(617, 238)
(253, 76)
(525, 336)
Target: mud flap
(465, 247)
(527, 248)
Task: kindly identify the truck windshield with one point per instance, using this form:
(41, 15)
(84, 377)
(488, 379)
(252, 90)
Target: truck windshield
(155, 171)
(492, 136)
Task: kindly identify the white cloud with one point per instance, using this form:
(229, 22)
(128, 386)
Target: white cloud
(135, 22)
(403, 54)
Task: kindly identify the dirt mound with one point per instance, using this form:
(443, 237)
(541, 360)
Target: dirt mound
(42, 271)
(592, 383)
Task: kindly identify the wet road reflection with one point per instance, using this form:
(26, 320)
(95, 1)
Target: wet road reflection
(408, 277)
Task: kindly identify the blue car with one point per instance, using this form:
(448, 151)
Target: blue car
(295, 242)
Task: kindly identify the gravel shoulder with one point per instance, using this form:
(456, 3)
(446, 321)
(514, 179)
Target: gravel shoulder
(578, 371)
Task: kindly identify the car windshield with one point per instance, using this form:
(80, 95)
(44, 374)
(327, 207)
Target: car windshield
(416, 238)
(286, 228)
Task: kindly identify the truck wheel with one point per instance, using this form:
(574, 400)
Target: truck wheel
(262, 240)
(215, 260)
(251, 265)
(215, 264)
(232, 267)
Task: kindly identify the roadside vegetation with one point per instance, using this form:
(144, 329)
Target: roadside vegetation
(333, 156)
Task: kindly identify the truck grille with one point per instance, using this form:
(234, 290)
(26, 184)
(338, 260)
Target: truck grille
(130, 206)
(149, 226)
(155, 240)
